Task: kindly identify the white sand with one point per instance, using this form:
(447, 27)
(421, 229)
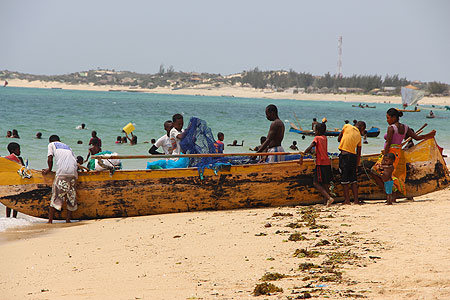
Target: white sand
(216, 255)
(245, 92)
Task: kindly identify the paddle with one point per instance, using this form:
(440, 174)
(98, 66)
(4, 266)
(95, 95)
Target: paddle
(190, 155)
(417, 132)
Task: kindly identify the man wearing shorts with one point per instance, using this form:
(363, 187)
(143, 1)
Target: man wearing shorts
(275, 135)
(63, 188)
(350, 146)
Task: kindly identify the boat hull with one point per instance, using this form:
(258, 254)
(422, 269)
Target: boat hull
(130, 193)
(374, 132)
(311, 133)
(409, 110)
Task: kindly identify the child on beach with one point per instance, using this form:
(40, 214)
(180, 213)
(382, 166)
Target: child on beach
(14, 155)
(323, 174)
(80, 162)
(219, 145)
(387, 168)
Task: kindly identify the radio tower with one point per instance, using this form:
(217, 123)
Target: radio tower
(339, 64)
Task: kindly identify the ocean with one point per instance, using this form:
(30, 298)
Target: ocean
(54, 111)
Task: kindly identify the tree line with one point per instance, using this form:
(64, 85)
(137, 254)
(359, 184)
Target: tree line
(291, 79)
(275, 80)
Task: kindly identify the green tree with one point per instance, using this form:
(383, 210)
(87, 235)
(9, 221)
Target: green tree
(437, 87)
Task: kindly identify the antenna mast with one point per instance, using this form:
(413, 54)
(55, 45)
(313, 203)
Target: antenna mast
(339, 64)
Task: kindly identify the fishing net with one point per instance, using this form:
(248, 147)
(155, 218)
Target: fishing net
(199, 139)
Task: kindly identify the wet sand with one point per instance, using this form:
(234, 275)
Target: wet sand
(372, 250)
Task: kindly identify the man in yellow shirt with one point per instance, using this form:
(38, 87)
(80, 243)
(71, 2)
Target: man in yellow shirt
(350, 146)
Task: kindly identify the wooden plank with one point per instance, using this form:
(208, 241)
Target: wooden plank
(190, 155)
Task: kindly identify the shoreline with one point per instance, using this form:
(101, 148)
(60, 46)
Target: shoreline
(229, 91)
(375, 252)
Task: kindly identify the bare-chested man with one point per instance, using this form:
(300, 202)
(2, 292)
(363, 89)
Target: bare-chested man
(275, 135)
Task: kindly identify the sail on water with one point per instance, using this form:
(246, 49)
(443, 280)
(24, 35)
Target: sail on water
(411, 95)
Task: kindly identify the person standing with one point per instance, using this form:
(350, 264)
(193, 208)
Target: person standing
(94, 135)
(396, 133)
(275, 135)
(323, 174)
(176, 133)
(350, 146)
(63, 188)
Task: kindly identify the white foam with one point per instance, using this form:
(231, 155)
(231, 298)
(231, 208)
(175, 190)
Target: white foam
(6, 223)
(21, 220)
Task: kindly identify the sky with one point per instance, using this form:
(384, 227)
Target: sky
(409, 38)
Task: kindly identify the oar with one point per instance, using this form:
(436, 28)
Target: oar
(417, 132)
(190, 155)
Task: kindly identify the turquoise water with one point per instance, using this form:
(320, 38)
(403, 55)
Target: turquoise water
(58, 112)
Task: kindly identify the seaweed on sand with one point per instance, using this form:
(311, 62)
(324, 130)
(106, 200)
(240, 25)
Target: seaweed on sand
(297, 237)
(266, 289)
(308, 266)
(306, 253)
(281, 214)
(340, 258)
(272, 276)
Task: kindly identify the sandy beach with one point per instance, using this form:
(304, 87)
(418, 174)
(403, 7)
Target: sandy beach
(370, 251)
(231, 91)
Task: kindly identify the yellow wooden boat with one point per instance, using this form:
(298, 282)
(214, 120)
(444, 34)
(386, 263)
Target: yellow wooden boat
(409, 110)
(127, 193)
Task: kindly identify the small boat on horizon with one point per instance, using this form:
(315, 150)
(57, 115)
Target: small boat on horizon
(372, 132)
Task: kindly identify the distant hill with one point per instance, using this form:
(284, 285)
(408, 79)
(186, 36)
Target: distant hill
(267, 80)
